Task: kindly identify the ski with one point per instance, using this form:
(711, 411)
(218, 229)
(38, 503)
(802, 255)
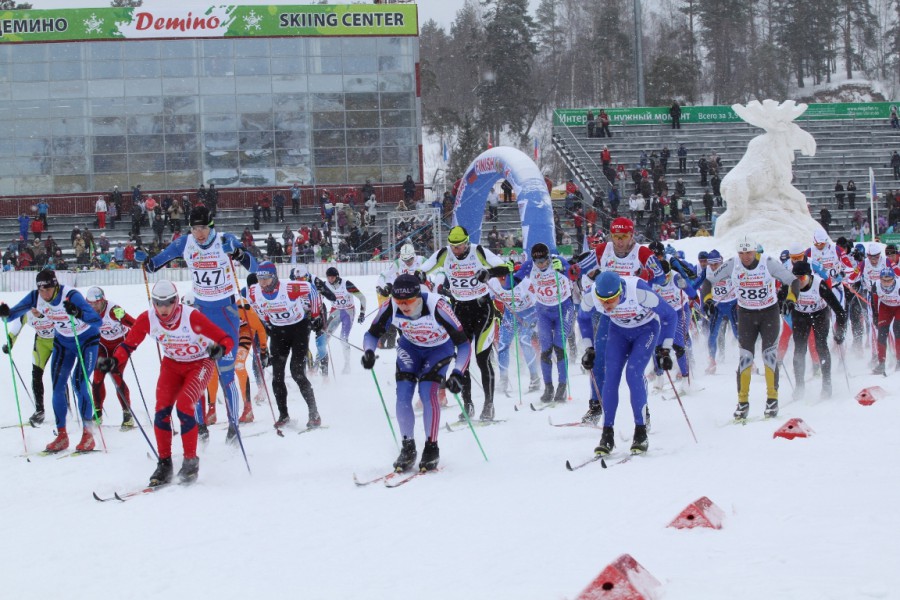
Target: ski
(620, 461)
(572, 424)
(580, 465)
(76, 453)
(460, 425)
(408, 478)
(26, 424)
(123, 496)
(545, 406)
(386, 477)
(308, 429)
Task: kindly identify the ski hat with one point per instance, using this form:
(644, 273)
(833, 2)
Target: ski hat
(887, 272)
(796, 249)
(200, 216)
(747, 244)
(608, 285)
(873, 249)
(458, 235)
(784, 255)
(715, 256)
(163, 291)
(406, 286)
(332, 272)
(890, 249)
(46, 278)
(540, 251)
(860, 248)
(94, 294)
(621, 225)
(703, 255)
(801, 267)
(407, 252)
(820, 237)
(266, 268)
(299, 272)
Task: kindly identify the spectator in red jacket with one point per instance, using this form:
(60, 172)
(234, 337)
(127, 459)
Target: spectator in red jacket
(37, 228)
(129, 254)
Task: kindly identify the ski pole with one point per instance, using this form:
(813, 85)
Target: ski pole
(150, 304)
(512, 289)
(326, 332)
(87, 383)
(562, 334)
(786, 376)
(262, 377)
(844, 365)
(233, 423)
(121, 394)
(384, 406)
(677, 397)
(140, 391)
(24, 387)
(12, 367)
(471, 427)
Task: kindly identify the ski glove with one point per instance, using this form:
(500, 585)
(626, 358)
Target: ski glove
(381, 291)
(5, 348)
(455, 382)
(587, 360)
(362, 317)
(4, 310)
(483, 275)
(148, 265)
(264, 358)
(316, 323)
(238, 254)
(368, 359)
(663, 359)
(215, 351)
(557, 265)
(388, 289)
(788, 307)
(72, 309)
(108, 364)
(709, 306)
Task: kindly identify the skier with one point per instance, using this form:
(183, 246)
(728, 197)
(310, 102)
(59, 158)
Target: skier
(190, 343)
(677, 292)
(753, 275)
(62, 307)
(40, 355)
(719, 308)
(408, 262)
(519, 316)
(886, 295)
(291, 309)
(625, 257)
(115, 326)
(811, 312)
(468, 268)
(641, 325)
(343, 309)
(209, 256)
(430, 334)
(555, 313)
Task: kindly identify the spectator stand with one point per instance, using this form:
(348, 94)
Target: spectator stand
(423, 228)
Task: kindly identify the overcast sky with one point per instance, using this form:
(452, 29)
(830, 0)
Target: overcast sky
(442, 11)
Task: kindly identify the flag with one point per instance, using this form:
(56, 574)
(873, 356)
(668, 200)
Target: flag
(537, 150)
(490, 141)
(446, 152)
(873, 199)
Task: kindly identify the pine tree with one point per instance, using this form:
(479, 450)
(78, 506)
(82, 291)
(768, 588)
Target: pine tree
(723, 30)
(856, 17)
(469, 144)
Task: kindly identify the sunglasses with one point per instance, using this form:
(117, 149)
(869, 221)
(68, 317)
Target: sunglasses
(406, 302)
(264, 276)
(620, 237)
(541, 261)
(610, 298)
(46, 286)
(169, 302)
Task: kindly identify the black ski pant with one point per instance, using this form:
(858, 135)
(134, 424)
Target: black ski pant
(293, 341)
(477, 318)
(857, 315)
(801, 324)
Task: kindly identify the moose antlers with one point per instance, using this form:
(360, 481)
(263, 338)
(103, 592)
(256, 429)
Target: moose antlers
(769, 114)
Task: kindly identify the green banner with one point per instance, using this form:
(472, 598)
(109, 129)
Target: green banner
(890, 238)
(211, 21)
(715, 114)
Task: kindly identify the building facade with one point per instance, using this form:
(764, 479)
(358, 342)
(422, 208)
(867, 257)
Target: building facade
(238, 96)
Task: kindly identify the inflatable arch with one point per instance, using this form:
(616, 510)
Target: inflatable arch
(535, 208)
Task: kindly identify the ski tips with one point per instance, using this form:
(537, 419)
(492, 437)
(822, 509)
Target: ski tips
(603, 463)
(569, 466)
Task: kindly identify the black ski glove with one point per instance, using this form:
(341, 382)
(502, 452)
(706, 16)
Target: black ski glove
(72, 309)
(148, 265)
(455, 382)
(4, 310)
(215, 351)
(316, 323)
(368, 359)
(483, 275)
(108, 364)
(238, 254)
(663, 359)
(362, 317)
(587, 361)
(788, 307)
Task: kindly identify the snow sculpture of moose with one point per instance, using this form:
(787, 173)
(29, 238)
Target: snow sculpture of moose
(760, 200)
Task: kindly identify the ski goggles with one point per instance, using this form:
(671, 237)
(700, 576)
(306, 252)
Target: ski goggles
(46, 286)
(609, 298)
(406, 302)
(264, 275)
(620, 237)
(167, 302)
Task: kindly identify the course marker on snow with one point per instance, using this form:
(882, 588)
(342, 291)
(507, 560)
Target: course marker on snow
(795, 428)
(622, 579)
(868, 396)
(699, 513)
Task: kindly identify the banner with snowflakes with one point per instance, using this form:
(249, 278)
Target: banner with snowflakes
(212, 21)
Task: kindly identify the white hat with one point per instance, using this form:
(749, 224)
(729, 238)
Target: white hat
(796, 248)
(407, 252)
(820, 237)
(747, 244)
(873, 249)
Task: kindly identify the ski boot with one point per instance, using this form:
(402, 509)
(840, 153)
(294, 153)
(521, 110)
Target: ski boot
(711, 369)
(210, 417)
(189, 470)
(346, 369)
(314, 419)
(826, 389)
(593, 414)
(60, 443)
(468, 409)
(231, 436)
(283, 419)
(741, 412)
(203, 432)
(639, 442)
(535, 384)
(607, 442)
(503, 385)
(817, 369)
(247, 415)
(260, 397)
(87, 442)
(127, 421)
(646, 412)
(879, 368)
(547, 396)
(430, 456)
(487, 412)
(799, 391)
(771, 410)
(560, 396)
(323, 367)
(37, 418)
(163, 473)
(407, 456)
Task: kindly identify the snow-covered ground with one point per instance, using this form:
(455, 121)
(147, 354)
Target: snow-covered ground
(805, 519)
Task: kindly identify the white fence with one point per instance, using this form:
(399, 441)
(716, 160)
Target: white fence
(23, 281)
